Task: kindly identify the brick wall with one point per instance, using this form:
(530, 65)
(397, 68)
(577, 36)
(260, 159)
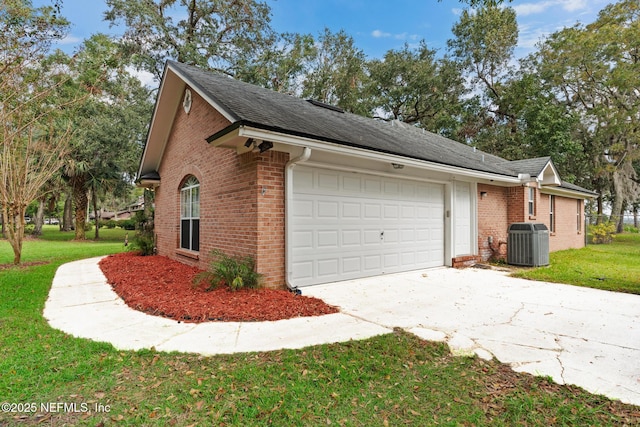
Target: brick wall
(566, 234)
(270, 253)
(234, 216)
(502, 206)
(493, 220)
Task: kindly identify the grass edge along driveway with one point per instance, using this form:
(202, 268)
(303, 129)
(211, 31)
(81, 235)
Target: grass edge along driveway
(49, 377)
(611, 267)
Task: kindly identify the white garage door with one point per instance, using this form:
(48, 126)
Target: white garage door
(347, 225)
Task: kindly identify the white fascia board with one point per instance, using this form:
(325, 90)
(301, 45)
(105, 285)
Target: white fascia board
(554, 179)
(220, 108)
(160, 125)
(565, 192)
(314, 144)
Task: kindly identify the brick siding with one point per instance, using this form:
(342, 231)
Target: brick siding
(234, 215)
(502, 206)
(493, 220)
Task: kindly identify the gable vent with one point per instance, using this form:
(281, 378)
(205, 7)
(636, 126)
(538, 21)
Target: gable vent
(323, 105)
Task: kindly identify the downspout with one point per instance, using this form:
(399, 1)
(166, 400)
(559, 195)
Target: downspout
(306, 153)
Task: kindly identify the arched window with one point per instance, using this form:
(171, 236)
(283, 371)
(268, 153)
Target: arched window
(190, 214)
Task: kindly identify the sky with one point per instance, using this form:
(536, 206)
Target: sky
(375, 25)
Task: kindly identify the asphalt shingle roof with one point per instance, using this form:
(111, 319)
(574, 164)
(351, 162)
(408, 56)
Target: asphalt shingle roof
(266, 109)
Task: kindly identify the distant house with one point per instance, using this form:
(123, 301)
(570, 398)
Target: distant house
(316, 194)
(126, 213)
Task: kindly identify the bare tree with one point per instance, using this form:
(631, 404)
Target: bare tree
(33, 140)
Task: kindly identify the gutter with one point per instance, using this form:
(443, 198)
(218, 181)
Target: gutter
(247, 131)
(288, 177)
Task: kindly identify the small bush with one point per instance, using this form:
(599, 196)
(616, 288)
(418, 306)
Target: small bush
(127, 224)
(631, 229)
(110, 223)
(144, 239)
(603, 233)
(234, 271)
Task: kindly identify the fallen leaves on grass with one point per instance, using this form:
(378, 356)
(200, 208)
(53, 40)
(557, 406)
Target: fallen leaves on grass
(161, 286)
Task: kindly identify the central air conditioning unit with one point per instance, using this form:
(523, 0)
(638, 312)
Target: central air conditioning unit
(528, 244)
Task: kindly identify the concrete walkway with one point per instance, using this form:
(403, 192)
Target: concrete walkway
(579, 336)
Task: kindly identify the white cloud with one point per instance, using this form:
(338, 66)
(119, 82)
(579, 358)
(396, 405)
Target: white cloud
(69, 39)
(526, 9)
(147, 78)
(400, 36)
(379, 34)
(573, 5)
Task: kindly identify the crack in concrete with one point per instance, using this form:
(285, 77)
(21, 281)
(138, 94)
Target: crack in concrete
(559, 353)
(512, 318)
(237, 335)
(594, 341)
(93, 302)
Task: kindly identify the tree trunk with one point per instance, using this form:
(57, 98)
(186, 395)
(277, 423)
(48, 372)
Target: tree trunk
(620, 225)
(617, 211)
(600, 218)
(39, 219)
(635, 216)
(13, 218)
(67, 214)
(96, 216)
(81, 201)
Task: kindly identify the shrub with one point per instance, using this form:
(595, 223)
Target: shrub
(603, 233)
(631, 229)
(234, 271)
(127, 224)
(144, 238)
(109, 223)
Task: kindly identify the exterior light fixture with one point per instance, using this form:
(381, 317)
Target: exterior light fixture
(265, 145)
(397, 166)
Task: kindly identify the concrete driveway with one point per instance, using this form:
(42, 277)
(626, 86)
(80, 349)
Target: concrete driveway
(575, 335)
(580, 336)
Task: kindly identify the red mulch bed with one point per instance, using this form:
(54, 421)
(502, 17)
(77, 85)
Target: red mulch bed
(161, 286)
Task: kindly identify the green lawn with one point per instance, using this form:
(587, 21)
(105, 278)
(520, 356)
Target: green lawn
(613, 267)
(395, 379)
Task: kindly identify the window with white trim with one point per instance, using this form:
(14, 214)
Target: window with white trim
(190, 214)
(532, 206)
(552, 218)
(579, 215)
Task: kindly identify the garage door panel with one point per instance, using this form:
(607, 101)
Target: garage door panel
(303, 239)
(391, 211)
(328, 239)
(349, 225)
(392, 188)
(372, 211)
(351, 265)
(303, 271)
(328, 267)
(391, 261)
(408, 258)
(372, 187)
(352, 184)
(303, 209)
(372, 263)
(351, 210)
(328, 181)
(391, 236)
(371, 237)
(351, 238)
